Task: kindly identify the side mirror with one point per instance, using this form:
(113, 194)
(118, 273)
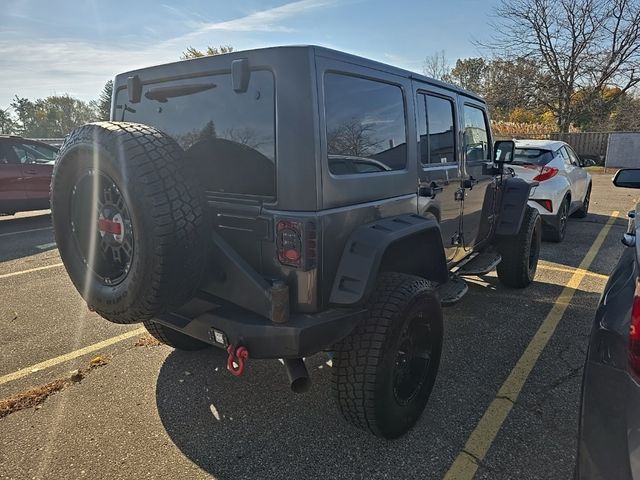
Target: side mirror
(503, 151)
(628, 178)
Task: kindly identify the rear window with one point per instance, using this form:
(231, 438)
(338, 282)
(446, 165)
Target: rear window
(229, 136)
(532, 156)
(365, 125)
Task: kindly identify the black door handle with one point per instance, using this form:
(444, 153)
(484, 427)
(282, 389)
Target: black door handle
(429, 190)
(469, 183)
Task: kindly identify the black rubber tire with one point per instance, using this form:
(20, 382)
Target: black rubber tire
(556, 233)
(584, 208)
(167, 214)
(520, 252)
(173, 338)
(365, 361)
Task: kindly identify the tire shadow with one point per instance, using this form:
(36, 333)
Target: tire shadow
(255, 427)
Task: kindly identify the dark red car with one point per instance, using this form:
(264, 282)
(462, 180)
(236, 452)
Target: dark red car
(25, 174)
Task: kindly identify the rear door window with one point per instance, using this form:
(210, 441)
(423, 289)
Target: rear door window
(476, 137)
(436, 130)
(365, 125)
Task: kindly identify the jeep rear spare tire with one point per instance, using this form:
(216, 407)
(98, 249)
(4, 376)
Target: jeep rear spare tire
(129, 220)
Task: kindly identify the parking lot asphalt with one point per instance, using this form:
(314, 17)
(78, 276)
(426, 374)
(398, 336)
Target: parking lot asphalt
(152, 412)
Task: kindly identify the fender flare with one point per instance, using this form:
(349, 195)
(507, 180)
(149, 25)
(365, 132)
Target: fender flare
(513, 203)
(411, 243)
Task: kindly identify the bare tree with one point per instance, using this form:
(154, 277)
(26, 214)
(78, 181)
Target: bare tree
(585, 45)
(193, 52)
(436, 66)
(245, 136)
(352, 138)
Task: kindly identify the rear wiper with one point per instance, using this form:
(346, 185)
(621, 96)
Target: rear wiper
(161, 94)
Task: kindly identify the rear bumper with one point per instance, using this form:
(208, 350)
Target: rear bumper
(301, 336)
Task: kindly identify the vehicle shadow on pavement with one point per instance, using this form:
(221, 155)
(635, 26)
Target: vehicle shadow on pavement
(255, 427)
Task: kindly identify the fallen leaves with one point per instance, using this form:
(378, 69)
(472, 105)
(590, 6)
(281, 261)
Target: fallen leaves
(147, 340)
(35, 396)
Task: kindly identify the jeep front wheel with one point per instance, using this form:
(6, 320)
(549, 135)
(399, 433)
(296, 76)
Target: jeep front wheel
(129, 220)
(520, 252)
(384, 371)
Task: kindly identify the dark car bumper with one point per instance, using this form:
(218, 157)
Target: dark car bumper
(301, 336)
(609, 443)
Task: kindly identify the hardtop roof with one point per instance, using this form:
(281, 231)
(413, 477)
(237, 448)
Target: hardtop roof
(334, 54)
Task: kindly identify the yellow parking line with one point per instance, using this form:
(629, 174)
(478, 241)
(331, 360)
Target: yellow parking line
(466, 463)
(36, 269)
(568, 269)
(69, 356)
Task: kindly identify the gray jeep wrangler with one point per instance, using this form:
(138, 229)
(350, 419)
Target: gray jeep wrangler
(285, 201)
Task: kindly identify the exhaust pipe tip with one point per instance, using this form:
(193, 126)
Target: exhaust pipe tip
(298, 375)
(301, 385)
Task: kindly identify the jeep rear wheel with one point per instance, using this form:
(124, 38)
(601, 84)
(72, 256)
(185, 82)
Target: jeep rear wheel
(173, 338)
(129, 220)
(384, 371)
(520, 252)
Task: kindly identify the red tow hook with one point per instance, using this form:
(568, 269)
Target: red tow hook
(236, 360)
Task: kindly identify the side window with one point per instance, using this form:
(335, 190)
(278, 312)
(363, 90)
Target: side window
(365, 125)
(44, 154)
(440, 145)
(575, 161)
(4, 159)
(565, 156)
(476, 138)
(421, 126)
(22, 154)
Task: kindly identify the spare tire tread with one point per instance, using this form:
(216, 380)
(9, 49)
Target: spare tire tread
(177, 212)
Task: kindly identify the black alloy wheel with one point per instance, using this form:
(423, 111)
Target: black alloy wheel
(102, 227)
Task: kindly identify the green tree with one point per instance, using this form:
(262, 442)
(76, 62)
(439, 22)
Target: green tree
(192, 52)
(470, 74)
(7, 123)
(53, 116)
(103, 104)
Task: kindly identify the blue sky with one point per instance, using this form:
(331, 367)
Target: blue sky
(53, 47)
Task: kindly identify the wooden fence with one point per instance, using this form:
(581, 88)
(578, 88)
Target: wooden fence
(591, 145)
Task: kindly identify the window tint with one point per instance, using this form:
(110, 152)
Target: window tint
(476, 139)
(4, 158)
(365, 125)
(573, 158)
(439, 145)
(230, 136)
(32, 153)
(565, 156)
(421, 125)
(532, 156)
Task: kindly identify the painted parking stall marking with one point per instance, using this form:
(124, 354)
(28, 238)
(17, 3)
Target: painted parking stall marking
(466, 463)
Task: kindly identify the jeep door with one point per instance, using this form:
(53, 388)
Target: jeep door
(476, 152)
(438, 166)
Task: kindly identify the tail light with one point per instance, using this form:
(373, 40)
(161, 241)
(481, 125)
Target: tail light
(545, 174)
(547, 204)
(634, 335)
(296, 243)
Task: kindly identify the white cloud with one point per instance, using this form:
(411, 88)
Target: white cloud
(37, 67)
(267, 20)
